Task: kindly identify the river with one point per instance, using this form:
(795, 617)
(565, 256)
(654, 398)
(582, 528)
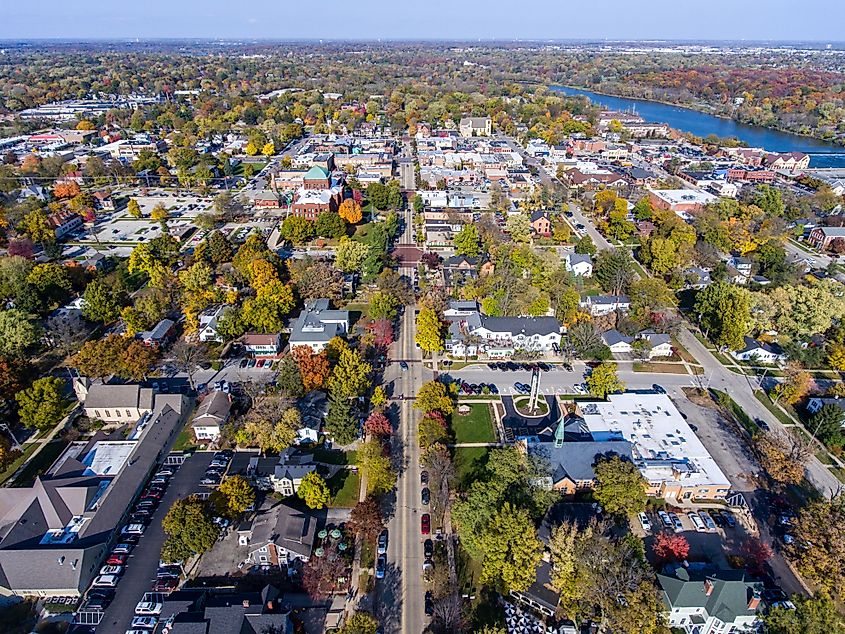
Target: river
(822, 154)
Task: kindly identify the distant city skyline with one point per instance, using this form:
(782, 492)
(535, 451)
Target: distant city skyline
(753, 20)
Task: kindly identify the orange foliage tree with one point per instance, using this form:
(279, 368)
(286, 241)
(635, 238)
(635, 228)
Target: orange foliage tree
(350, 211)
(313, 367)
(68, 189)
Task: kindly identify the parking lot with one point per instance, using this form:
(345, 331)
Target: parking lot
(140, 571)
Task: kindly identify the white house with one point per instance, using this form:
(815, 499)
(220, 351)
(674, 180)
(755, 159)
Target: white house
(617, 342)
(292, 467)
(598, 305)
(211, 415)
(262, 345)
(208, 320)
(759, 352)
(317, 324)
(502, 336)
(660, 344)
(279, 535)
(579, 264)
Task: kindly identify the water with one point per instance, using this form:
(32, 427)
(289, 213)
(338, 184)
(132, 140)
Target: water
(822, 154)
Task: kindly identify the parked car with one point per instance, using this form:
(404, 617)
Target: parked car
(111, 570)
(105, 581)
(148, 608)
(425, 496)
(664, 517)
(425, 524)
(428, 549)
(424, 477)
(493, 389)
(133, 529)
(644, 522)
(729, 518)
(148, 622)
(166, 584)
(381, 546)
(676, 522)
(429, 604)
(708, 521)
(117, 559)
(381, 566)
(696, 521)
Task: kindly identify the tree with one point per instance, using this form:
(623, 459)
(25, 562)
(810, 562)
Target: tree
(819, 550)
(234, 496)
(382, 332)
(269, 149)
(18, 332)
(145, 259)
(350, 255)
(510, 549)
(432, 430)
(267, 310)
(321, 576)
(383, 306)
(836, 356)
(519, 227)
(297, 229)
(724, 311)
(783, 456)
(133, 208)
(377, 424)
(314, 491)
(377, 400)
(330, 225)
(603, 380)
(585, 246)
(376, 468)
(37, 226)
(288, 379)
(350, 211)
(827, 425)
(189, 529)
(756, 553)
(670, 546)
(366, 519)
(114, 355)
(429, 334)
(160, 213)
(650, 296)
(187, 357)
(351, 376)
(795, 385)
(434, 396)
(620, 487)
(614, 270)
(467, 241)
(360, 623)
(315, 279)
(812, 615)
(43, 404)
(313, 367)
(340, 423)
(7, 454)
(100, 303)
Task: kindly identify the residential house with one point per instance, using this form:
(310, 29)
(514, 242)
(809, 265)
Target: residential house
(660, 344)
(739, 269)
(579, 264)
(711, 602)
(815, 403)
(317, 324)
(64, 223)
(261, 345)
(821, 237)
(208, 320)
(598, 305)
(280, 535)
(104, 200)
(475, 126)
(159, 335)
(211, 415)
(541, 225)
(502, 336)
(313, 407)
(759, 352)
(617, 342)
(697, 277)
(292, 467)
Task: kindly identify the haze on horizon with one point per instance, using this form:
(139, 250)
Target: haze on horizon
(778, 20)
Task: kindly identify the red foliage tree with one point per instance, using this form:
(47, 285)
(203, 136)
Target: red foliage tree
(378, 425)
(431, 260)
(23, 248)
(668, 546)
(756, 553)
(320, 575)
(837, 245)
(313, 368)
(366, 519)
(436, 416)
(382, 330)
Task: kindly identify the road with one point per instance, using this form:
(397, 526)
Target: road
(399, 596)
(796, 254)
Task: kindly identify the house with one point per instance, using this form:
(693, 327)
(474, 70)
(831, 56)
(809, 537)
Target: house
(291, 468)
(739, 269)
(789, 161)
(317, 324)
(697, 277)
(579, 264)
(208, 320)
(103, 200)
(759, 352)
(260, 345)
(64, 223)
(280, 535)
(502, 336)
(617, 342)
(660, 344)
(821, 237)
(313, 407)
(702, 602)
(211, 415)
(475, 126)
(266, 199)
(815, 403)
(598, 305)
(540, 224)
(159, 335)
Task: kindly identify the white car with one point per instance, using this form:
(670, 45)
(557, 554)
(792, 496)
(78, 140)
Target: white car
(148, 608)
(105, 581)
(696, 521)
(111, 570)
(147, 622)
(133, 529)
(644, 522)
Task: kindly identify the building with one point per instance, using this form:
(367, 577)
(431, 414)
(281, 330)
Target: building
(114, 403)
(579, 264)
(475, 126)
(821, 237)
(55, 534)
(208, 321)
(310, 203)
(541, 225)
(316, 178)
(292, 467)
(759, 352)
(788, 161)
(617, 342)
(317, 324)
(64, 223)
(815, 403)
(260, 345)
(598, 305)
(279, 535)
(711, 602)
(501, 336)
(211, 415)
(684, 202)
(159, 335)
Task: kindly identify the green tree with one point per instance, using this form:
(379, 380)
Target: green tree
(360, 623)
(724, 312)
(37, 226)
(375, 465)
(586, 246)
(430, 336)
(614, 270)
(100, 303)
(434, 396)
(351, 375)
(297, 229)
(330, 225)
(340, 423)
(818, 549)
(620, 487)
(603, 380)
(383, 306)
(145, 258)
(519, 227)
(18, 332)
(350, 255)
(467, 241)
(511, 550)
(189, 529)
(235, 495)
(266, 311)
(827, 425)
(43, 404)
(314, 491)
(812, 615)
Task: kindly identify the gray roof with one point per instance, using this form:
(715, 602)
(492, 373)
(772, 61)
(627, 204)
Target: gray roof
(575, 459)
(318, 323)
(520, 325)
(612, 337)
(607, 299)
(286, 527)
(728, 599)
(213, 409)
(578, 258)
(134, 396)
(655, 338)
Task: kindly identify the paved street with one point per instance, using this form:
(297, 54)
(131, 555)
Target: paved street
(143, 562)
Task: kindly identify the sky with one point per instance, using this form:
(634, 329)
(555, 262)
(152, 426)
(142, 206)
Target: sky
(816, 20)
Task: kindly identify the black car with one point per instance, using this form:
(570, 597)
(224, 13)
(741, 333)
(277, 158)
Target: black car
(493, 389)
(425, 496)
(428, 549)
(658, 388)
(567, 367)
(429, 604)
(424, 477)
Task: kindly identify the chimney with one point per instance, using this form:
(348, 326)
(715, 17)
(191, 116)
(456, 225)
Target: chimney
(245, 603)
(269, 606)
(754, 601)
(708, 587)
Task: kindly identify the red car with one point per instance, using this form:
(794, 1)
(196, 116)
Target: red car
(425, 524)
(165, 584)
(117, 560)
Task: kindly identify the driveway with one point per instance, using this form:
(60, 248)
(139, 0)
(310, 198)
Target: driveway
(143, 562)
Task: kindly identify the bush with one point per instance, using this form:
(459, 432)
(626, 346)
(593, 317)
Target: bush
(217, 366)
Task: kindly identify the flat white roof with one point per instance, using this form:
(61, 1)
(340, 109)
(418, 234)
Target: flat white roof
(685, 196)
(660, 436)
(108, 457)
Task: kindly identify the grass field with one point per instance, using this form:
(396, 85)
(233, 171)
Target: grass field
(477, 426)
(774, 409)
(27, 452)
(469, 461)
(664, 368)
(184, 441)
(344, 487)
(334, 456)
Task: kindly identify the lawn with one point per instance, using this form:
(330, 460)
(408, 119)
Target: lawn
(477, 426)
(682, 352)
(40, 463)
(663, 368)
(184, 441)
(344, 487)
(738, 413)
(469, 461)
(774, 409)
(27, 452)
(334, 456)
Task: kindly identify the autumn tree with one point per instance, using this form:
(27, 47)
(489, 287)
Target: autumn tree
(351, 375)
(366, 518)
(313, 366)
(603, 380)
(350, 211)
(430, 335)
(620, 487)
(375, 466)
(133, 208)
(234, 496)
(670, 546)
(377, 424)
(314, 491)
(783, 457)
(188, 357)
(811, 615)
(434, 396)
(795, 385)
(818, 549)
(43, 404)
(189, 529)
(511, 550)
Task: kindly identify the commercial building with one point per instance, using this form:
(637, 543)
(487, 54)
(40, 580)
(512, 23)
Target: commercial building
(683, 202)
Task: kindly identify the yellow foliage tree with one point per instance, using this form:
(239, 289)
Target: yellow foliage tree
(250, 149)
(269, 149)
(350, 211)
